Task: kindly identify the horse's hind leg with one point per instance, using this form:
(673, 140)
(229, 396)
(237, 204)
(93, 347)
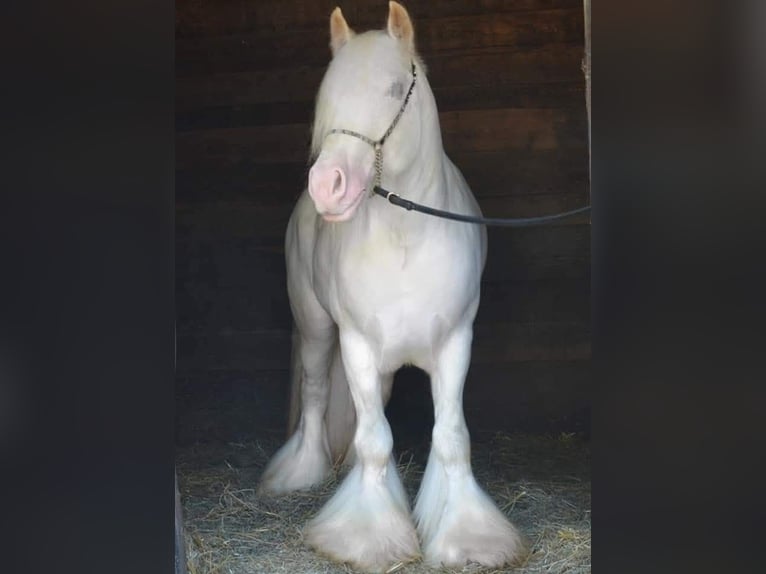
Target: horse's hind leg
(367, 522)
(457, 521)
(304, 460)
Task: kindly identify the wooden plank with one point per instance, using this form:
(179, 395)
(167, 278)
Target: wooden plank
(246, 180)
(298, 84)
(251, 218)
(260, 49)
(536, 205)
(540, 64)
(223, 297)
(498, 30)
(546, 396)
(550, 252)
(264, 114)
(506, 129)
(234, 219)
(255, 50)
(247, 218)
(256, 306)
(561, 95)
(247, 351)
(552, 63)
(546, 300)
(553, 252)
(520, 172)
(463, 132)
(503, 174)
(498, 192)
(194, 18)
(556, 341)
(264, 305)
(229, 404)
(270, 349)
(200, 19)
(534, 396)
(209, 265)
(228, 147)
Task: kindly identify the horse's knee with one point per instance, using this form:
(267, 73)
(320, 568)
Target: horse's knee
(316, 353)
(373, 443)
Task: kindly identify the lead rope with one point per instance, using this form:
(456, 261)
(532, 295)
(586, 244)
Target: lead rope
(399, 201)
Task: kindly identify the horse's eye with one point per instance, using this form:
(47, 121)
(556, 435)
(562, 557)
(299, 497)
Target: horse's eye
(396, 90)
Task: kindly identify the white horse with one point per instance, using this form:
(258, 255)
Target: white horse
(372, 288)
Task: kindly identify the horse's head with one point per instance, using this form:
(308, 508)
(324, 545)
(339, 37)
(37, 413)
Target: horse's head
(363, 90)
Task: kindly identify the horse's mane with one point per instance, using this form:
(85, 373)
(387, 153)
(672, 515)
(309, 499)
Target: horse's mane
(320, 128)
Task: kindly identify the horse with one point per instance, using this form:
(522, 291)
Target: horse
(372, 288)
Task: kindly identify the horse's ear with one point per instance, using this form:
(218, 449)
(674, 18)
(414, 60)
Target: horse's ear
(400, 25)
(340, 33)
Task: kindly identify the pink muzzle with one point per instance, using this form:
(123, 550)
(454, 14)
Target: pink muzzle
(336, 191)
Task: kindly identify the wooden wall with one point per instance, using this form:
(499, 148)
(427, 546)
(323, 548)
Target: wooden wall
(508, 80)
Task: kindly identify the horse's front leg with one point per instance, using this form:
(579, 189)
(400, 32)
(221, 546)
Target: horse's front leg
(457, 521)
(367, 522)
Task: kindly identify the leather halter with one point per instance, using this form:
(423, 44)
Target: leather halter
(377, 145)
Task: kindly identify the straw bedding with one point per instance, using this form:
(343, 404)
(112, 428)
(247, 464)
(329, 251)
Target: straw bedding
(541, 482)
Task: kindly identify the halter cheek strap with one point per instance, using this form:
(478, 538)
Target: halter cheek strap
(377, 145)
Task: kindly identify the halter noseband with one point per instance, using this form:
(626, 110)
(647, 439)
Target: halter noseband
(377, 146)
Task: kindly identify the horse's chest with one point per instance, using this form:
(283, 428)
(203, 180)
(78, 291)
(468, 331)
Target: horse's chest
(401, 285)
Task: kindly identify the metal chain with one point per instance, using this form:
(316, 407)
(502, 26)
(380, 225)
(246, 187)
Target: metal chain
(378, 147)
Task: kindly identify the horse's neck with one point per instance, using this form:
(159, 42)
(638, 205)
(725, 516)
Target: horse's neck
(425, 183)
(428, 179)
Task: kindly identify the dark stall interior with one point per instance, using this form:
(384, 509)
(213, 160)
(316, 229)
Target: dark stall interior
(508, 80)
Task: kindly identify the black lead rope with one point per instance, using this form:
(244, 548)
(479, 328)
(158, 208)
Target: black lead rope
(496, 221)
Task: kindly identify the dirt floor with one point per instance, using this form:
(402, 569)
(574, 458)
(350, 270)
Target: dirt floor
(542, 483)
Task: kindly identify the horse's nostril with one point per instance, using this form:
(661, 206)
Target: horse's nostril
(327, 183)
(337, 185)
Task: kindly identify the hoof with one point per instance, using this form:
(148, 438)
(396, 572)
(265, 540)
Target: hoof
(460, 524)
(366, 525)
(298, 465)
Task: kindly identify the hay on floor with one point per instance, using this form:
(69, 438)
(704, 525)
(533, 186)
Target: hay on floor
(541, 483)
